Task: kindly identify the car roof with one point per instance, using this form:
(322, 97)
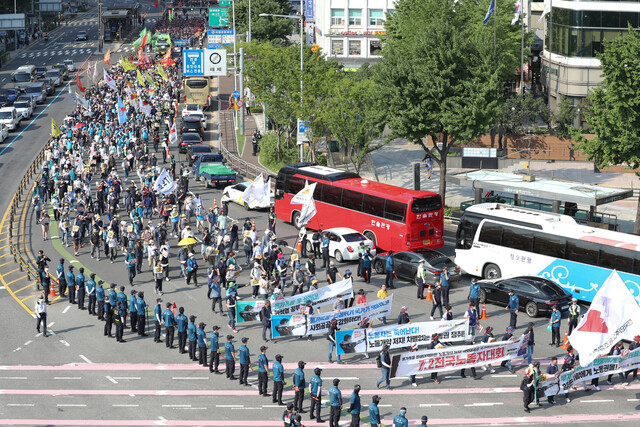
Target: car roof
(202, 148)
(342, 230)
(191, 119)
(191, 135)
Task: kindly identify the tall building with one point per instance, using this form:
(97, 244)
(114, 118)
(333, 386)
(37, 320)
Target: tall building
(350, 30)
(575, 32)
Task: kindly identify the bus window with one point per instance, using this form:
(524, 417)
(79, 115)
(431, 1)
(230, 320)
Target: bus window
(332, 195)
(352, 200)
(546, 244)
(426, 204)
(296, 184)
(197, 83)
(395, 211)
(579, 251)
(618, 259)
(373, 205)
(517, 238)
(490, 233)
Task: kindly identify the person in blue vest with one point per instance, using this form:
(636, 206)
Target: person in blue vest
(354, 406)
(474, 292)
(400, 420)
(374, 411)
(556, 317)
(324, 245)
(141, 307)
(191, 334)
(71, 285)
(315, 391)
(230, 357)
(113, 296)
(192, 269)
(118, 319)
(169, 325)
(202, 344)
(100, 299)
(446, 285)
(62, 280)
(472, 315)
(245, 361)
(299, 386)
(390, 270)
(214, 339)
(513, 306)
(287, 416)
(367, 259)
(80, 279)
(131, 262)
(263, 372)
(90, 289)
(278, 380)
(133, 311)
(181, 324)
(121, 297)
(335, 400)
(157, 320)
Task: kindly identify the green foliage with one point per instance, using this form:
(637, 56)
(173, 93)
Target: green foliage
(518, 114)
(563, 119)
(612, 109)
(263, 29)
(269, 156)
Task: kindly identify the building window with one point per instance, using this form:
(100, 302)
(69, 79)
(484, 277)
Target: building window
(355, 48)
(355, 17)
(375, 47)
(337, 47)
(337, 17)
(376, 17)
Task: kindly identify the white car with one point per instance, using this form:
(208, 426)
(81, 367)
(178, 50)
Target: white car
(24, 107)
(70, 66)
(4, 132)
(233, 193)
(343, 243)
(190, 109)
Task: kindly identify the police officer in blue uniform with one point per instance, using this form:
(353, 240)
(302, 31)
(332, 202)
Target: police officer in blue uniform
(513, 309)
(374, 411)
(400, 420)
(245, 361)
(263, 372)
(214, 361)
(202, 344)
(181, 323)
(141, 307)
(315, 391)
(113, 296)
(157, 319)
(298, 386)
(191, 333)
(90, 289)
(118, 319)
(133, 311)
(71, 285)
(100, 299)
(230, 357)
(81, 292)
(335, 400)
(122, 299)
(169, 325)
(278, 380)
(354, 406)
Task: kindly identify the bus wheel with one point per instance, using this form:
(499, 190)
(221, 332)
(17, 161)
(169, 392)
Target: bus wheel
(369, 235)
(295, 220)
(378, 267)
(338, 256)
(491, 271)
(532, 309)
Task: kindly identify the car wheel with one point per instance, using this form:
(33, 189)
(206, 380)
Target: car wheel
(482, 296)
(309, 246)
(246, 207)
(532, 309)
(295, 219)
(491, 271)
(338, 256)
(369, 235)
(378, 267)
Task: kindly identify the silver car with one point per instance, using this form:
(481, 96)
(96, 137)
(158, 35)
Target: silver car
(37, 92)
(56, 76)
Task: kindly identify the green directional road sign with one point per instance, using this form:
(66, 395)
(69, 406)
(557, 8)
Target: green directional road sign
(226, 2)
(218, 17)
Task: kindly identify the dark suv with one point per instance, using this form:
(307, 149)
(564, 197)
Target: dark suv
(192, 125)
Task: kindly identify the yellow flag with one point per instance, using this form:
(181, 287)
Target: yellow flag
(162, 73)
(55, 130)
(139, 77)
(127, 65)
(150, 80)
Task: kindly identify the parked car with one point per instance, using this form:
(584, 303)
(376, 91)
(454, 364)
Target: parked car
(56, 76)
(187, 140)
(25, 106)
(343, 243)
(233, 193)
(190, 109)
(192, 124)
(70, 65)
(406, 265)
(536, 295)
(4, 132)
(37, 91)
(81, 36)
(194, 150)
(65, 72)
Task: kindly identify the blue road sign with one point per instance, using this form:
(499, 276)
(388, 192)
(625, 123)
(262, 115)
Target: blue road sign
(236, 94)
(193, 62)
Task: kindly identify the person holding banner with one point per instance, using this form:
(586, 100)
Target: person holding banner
(265, 319)
(331, 337)
(384, 363)
(634, 345)
(432, 345)
(472, 315)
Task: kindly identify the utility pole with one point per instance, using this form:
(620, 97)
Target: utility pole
(100, 28)
(249, 33)
(302, 11)
(241, 87)
(235, 55)
(521, 51)
(549, 48)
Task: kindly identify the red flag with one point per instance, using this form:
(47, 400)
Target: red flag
(144, 40)
(140, 54)
(107, 56)
(155, 4)
(82, 89)
(167, 62)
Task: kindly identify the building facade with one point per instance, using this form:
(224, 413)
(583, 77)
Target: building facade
(350, 30)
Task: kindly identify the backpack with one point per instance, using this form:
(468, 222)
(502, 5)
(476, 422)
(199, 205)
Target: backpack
(379, 361)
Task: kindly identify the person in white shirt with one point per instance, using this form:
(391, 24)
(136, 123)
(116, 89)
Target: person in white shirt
(41, 315)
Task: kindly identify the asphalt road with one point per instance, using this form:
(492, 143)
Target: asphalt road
(77, 376)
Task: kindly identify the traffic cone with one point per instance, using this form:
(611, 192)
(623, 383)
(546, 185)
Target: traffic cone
(429, 295)
(483, 315)
(253, 224)
(52, 292)
(565, 344)
(299, 245)
(215, 204)
(173, 309)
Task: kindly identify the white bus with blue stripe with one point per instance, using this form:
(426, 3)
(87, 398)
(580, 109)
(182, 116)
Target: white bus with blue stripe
(496, 240)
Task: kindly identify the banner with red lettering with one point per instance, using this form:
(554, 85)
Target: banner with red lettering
(456, 357)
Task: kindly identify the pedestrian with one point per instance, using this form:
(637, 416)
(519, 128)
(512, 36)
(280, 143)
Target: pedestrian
(169, 325)
(527, 387)
(436, 300)
(324, 246)
(71, 285)
(474, 292)
(354, 406)
(158, 277)
(265, 318)
(634, 372)
(133, 310)
(191, 335)
(552, 371)
(245, 361)
(389, 270)
(513, 307)
(299, 387)
(315, 392)
(331, 337)
(62, 280)
(109, 313)
(554, 323)
(202, 344)
(400, 420)
(118, 320)
(446, 285)
(374, 411)
(333, 273)
(382, 293)
(531, 342)
(90, 289)
(472, 315)
(231, 309)
(287, 416)
(192, 269)
(230, 357)
(616, 351)
(428, 165)
(157, 319)
(367, 260)
(384, 363)
(100, 297)
(278, 381)
(423, 421)
(487, 338)
(335, 401)
(574, 315)
(131, 261)
(421, 279)
(181, 323)
(508, 336)
(41, 315)
(263, 372)
(80, 288)
(568, 364)
(46, 284)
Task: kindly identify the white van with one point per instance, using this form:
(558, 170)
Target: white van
(24, 76)
(10, 118)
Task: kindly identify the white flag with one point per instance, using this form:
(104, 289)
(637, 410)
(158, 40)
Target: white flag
(613, 315)
(95, 71)
(164, 183)
(303, 196)
(109, 81)
(173, 135)
(308, 212)
(145, 108)
(547, 9)
(267, 191)
(516, 15)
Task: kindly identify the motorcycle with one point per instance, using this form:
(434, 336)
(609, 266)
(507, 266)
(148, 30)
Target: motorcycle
(46, 37)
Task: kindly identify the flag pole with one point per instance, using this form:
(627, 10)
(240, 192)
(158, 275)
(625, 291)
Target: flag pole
(521, 49)
(495, 14)
(549, 48)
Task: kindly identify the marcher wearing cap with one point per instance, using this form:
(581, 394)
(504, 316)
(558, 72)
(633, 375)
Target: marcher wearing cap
(403, 317)
(421, 279)
(474, 292)
(633, 346)
(181, 325)
(299, 385)
(335, 401)
(508, 336)
(263, 371)
(435, 340)
(315, 392)
(169, 325)
(157, 320)
(355, 406)
(191, 334)
(278, 380)
(554, 322)
(202, 344)
(400, 420)
(214, 346)
(245, 361)
(331, 337)
(141, 307)
(374, 411)
(513, 307)
(230, 358)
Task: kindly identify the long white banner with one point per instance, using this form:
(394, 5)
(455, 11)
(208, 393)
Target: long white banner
(319, 297)
(396, 336)
(456, 357)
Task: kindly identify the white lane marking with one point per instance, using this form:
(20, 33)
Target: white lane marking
(597, 401)
(66, 344)
(85, 359)
(453, 377)
(633, 400)
(66, 309)
(77, 405)
(125, 406)
(504, 376)
(67, 378)
(2, 287)
(20, 348)
(229, 406)
(347, 378)
(429, 405)
(20, 404)
(13, 378)
(111, 379)
(385, 406)
(275, 406)
(51, 324)
(189, 378)
(126, 378)
(176, 406)
(27, 343)
(485, 404)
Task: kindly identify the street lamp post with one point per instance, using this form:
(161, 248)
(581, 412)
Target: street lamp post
(301, 58)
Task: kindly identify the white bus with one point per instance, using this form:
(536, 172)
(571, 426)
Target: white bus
(496, 240)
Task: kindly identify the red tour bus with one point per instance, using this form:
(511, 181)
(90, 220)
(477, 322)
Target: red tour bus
(394, 218)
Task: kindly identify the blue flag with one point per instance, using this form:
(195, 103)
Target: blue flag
(492, 8)
(122, 115)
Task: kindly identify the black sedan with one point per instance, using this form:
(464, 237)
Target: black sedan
(189, 139)
(406, 265)
(193, 150)
(536, 295)
(192, 124)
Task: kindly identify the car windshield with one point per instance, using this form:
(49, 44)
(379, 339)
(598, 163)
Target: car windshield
(6, 115)
(429, 255)
(21, 104)
(52, 73)
(22, 77)
(34, 89)
(190, 137)
(11, 92)
(353, 237)
(213, 158)
(41, 69)
(192, 119)
(552, 290)
(441, 262)
(192, 107)
(68, 62)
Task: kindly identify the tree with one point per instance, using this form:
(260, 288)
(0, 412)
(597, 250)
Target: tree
(439, 74)
(563, 119)
(613, 108)
(351, 116)
(265, 28)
